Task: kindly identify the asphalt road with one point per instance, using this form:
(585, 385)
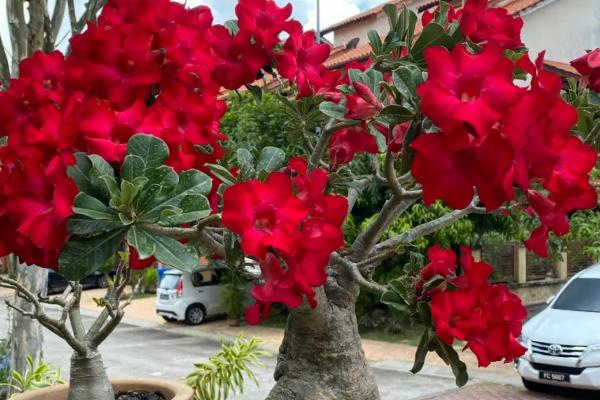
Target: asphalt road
(142, 350)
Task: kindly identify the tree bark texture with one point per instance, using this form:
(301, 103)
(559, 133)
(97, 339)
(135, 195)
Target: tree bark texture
(26, 333)
(88, 378)
(321, 356)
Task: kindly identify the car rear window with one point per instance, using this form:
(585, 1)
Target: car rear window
(169, 281)
(582, 294)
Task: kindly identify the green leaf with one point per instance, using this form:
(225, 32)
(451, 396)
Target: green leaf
(152, 150)
(395, 301)
(450, 357)
(375, 40)
(379, 138)
(89, 227)
(256, 92)
(421, 354)
(407, 151)
(222, 173)
(166, 250)
(81, 257)
(133, 167)
(191, 182)
(161, 183)
(394, 114)
(433, 35)
(192, 208)
(245, 160)
(271, 159)
(89, 174)
(232, 26)
(333, 110)
(89, 206)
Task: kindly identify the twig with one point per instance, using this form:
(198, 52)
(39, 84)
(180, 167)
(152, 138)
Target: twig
(352, 268)
(387, 246)
(56, 326)
(330, 128)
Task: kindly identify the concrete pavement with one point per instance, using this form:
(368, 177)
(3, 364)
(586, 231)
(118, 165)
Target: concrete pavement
(151, 348)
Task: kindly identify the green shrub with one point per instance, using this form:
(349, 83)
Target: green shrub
(36, 376)
(223, 375)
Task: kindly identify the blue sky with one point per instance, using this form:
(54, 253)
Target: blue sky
(304, 10)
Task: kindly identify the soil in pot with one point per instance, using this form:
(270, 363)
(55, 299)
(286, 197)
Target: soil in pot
(139, 396)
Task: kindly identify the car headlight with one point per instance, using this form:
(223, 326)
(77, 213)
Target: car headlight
(525, 342)
(594, 347)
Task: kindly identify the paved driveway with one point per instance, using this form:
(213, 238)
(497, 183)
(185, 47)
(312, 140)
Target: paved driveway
(143, 349)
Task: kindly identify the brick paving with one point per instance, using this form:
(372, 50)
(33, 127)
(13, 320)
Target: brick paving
(500, 392)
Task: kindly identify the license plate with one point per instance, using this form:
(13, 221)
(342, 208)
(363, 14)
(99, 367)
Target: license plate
(554, 376)
(164, 297)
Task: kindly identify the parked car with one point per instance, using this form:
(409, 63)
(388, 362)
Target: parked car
(189, 297)
(563, 341)
(57, 284)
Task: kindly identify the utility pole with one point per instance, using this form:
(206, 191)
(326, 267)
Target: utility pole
(318, 21)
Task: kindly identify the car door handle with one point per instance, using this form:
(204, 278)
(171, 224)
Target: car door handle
(200, 291)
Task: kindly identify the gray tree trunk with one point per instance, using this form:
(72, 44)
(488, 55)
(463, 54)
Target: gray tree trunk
(26, 333)
(321, 356)
(88, 378)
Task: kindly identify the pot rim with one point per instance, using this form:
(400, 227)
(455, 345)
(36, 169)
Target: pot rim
(171, 389)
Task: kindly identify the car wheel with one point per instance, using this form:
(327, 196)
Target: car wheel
(101, 281)
(534, 386)
(194, 315)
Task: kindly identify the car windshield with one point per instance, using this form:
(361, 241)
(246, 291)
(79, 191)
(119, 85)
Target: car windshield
(582, 294)
(169, 281)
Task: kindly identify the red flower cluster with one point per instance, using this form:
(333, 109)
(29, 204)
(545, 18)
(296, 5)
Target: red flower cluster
(156, 68)
(487, 317)
(588, 66)
(483, 25)
(490, 25)
(292, 226)
(494, 135)
(345, 143)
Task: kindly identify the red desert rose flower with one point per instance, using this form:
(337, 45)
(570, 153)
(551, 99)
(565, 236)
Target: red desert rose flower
(240, 59)
(363, 105)
(491, 25)
(345, 143)
(588, 66)
(302, 61)
(264, 19)
(465, 94)
(487, 317)
(264, 214)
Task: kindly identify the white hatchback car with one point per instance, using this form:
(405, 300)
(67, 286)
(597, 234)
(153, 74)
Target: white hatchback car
(563, 341)
(189, 297)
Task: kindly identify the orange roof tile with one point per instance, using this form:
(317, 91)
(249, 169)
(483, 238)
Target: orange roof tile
(360, 16)
(561, 68)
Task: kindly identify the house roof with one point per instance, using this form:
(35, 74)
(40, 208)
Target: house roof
(340, 55)
(512, 6)
(361, 16)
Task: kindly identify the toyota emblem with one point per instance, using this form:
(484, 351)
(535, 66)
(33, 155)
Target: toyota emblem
(555, 349)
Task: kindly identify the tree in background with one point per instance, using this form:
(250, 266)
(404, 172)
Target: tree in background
(117, 150)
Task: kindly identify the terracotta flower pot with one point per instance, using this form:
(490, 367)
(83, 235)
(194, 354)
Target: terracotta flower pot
(172, 390)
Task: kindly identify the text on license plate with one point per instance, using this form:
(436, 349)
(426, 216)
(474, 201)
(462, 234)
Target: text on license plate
(164, 297)
(553, 376)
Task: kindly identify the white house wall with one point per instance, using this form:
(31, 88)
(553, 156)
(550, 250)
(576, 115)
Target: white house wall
(565, 28)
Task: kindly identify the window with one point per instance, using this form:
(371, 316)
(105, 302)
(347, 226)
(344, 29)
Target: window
(169, 281)
(582, 294)
(204, 278)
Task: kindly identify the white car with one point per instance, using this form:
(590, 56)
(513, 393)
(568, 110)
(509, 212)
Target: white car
(189, 297)
(563, 341)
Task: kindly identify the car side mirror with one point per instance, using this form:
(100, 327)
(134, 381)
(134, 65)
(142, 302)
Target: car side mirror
(550, 299)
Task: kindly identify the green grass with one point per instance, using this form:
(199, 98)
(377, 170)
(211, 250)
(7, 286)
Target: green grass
(409, 335)
(137, 296)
